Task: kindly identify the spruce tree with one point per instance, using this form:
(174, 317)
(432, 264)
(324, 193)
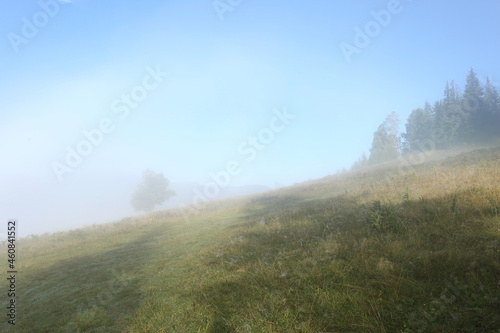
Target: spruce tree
(474, 109)
(450, 119)
(361, 162)
(492, 107)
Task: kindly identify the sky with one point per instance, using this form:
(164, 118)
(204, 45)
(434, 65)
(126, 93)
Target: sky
(231, 92)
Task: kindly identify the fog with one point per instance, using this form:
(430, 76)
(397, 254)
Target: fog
(222, 100)
(93, 200)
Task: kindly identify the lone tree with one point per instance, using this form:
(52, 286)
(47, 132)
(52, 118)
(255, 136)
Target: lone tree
(151, 192)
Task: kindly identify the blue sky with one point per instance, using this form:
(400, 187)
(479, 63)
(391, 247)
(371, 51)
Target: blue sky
(226, 79)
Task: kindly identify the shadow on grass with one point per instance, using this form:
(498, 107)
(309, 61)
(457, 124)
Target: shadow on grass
(89, 293)
(268, 204)
(428, 245)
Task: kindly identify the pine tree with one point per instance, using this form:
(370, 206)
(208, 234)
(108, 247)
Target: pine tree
(386, 141)
(430, 111)
(450, 119)
(492, 107)
(474, 109)
(361, 162)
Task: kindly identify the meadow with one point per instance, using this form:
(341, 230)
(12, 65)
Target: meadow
(379, 249)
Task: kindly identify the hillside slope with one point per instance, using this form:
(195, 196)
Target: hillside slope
(385, 249)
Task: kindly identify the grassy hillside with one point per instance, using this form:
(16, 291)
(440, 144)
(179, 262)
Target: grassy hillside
(385, 249)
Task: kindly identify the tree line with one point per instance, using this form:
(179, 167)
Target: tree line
(471, 117)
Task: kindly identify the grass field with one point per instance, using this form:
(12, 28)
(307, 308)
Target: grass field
(382, 249)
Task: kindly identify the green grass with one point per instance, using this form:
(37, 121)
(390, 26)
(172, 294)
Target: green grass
(376, 250)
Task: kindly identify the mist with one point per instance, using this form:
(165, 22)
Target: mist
(250, 166)
(220, 105)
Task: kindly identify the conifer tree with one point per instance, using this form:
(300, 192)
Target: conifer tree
(492, 107)
(475, 128)
(450, 118)
(361, 162)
